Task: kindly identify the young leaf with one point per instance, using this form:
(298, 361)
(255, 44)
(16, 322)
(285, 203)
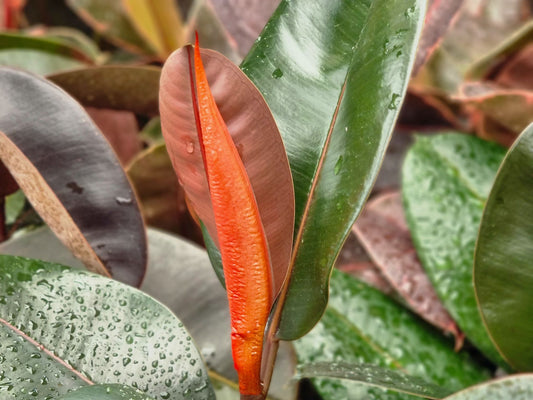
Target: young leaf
(252, 129)
(71, 328)
(71, 176)
(516, 387)
(363, 326)
(334, 74)
(446, 181)
(503, 274)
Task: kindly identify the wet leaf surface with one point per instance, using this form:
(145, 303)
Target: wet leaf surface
(253, 130)
(383, 231)
(503, 275)
(317, 70)
(446, 181)
(90, 329)
(71, 176)
(516, 387)
(107, 392)
(363, 326)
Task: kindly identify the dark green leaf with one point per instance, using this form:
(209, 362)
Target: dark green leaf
(363, 326)
(70, 175)
(374, 376)
(106, 392)
(61, 329)
(39, 55)
(334, 74)
(446, 180)
(515, 387)
(503, 273)
(129, 88)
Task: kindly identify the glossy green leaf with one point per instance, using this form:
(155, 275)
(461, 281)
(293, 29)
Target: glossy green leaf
(515, 387)
(201, 302)
(503, 273)
(106, 392)
(129, 88)
(375, 376)
(62, 329)
(334, 74)
(446, 181)
(71, 175)
(363, 326)
(109, 19)
(39, 55)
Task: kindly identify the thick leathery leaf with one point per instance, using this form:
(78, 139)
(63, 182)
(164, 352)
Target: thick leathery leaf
(363, 326)
(201, 303)
(159, 23)
(39, 55)
(375, 376)
(383, 231)
(72, 328)
(439, 16)
(334, 74)
(106, 392)
(516, 387)
(446, 180)
(253, 130)
(503, 275)
(242, 240)
(115, 87)
(70, 174)
(110, 20)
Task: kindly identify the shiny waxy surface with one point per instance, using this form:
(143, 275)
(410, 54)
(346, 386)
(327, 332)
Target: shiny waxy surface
(62, 328)
(106, 392)
(361, 325)
(446, 181)
(335, 93)
(515, 387)
(503, 273)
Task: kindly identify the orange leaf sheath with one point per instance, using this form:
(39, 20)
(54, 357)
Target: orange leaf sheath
(243, 245)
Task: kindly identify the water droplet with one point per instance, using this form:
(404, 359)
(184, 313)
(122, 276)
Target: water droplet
(121, 201)
(393, 105)
(278, 73)
(190, 147)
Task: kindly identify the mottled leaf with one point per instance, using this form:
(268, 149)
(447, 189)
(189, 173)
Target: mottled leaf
(503, 275)
(334, 74)
(70, 175)
(446, 181)
(70, 328)
(107, 392)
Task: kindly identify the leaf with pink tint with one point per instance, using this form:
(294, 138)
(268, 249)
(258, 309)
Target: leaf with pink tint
(383, 232)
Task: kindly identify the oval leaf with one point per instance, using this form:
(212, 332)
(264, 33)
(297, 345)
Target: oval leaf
(334, 75)
(446, 180)
(363, 326)
(252, 129)
(71, 176)
(72, 328)
(516, 387)
(106, 392)
(503, 274)
(115, 87)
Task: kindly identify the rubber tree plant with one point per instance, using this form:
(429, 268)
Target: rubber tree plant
(277, 159)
